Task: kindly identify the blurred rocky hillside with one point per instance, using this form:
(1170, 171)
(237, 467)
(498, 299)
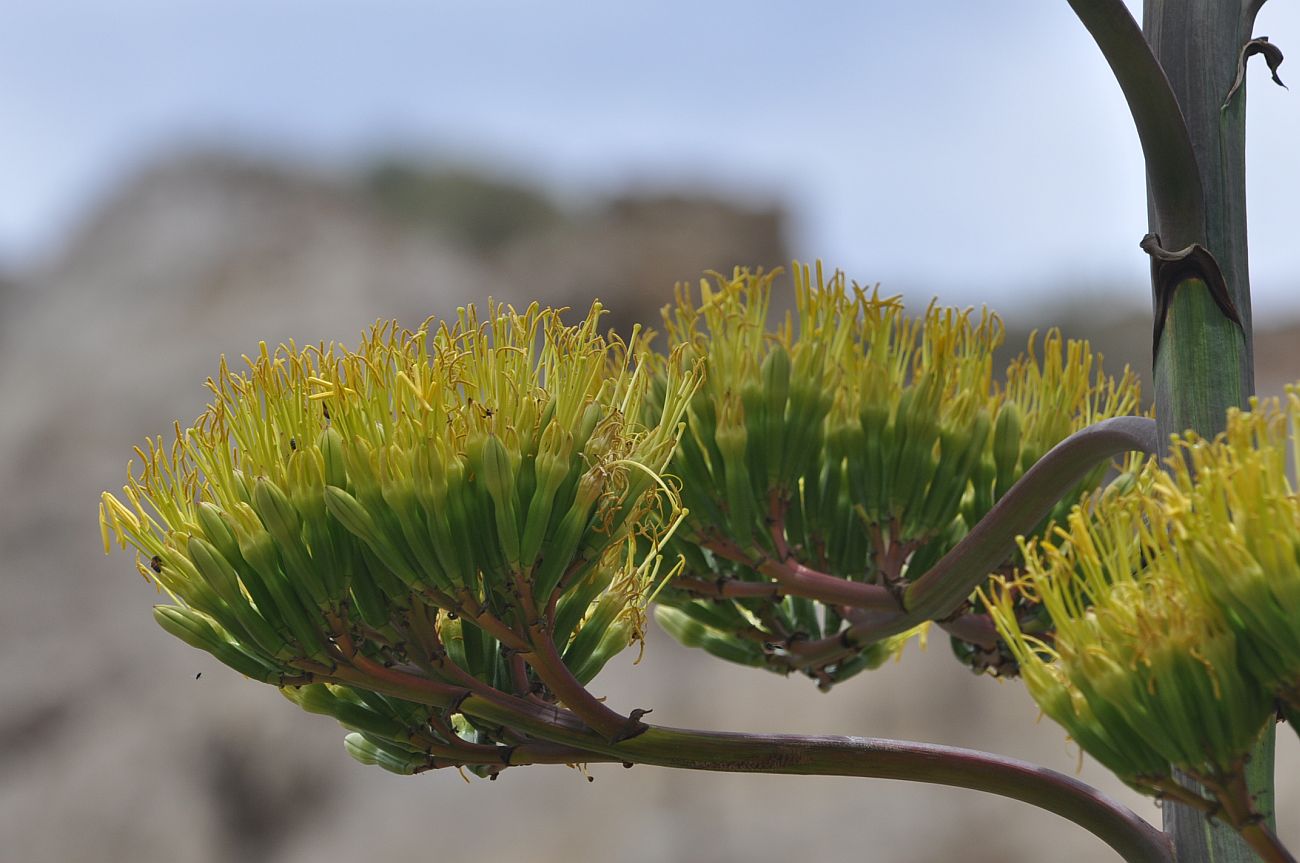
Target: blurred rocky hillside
(119, 743)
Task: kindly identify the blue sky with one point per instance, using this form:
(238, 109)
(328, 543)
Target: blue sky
(969, 149)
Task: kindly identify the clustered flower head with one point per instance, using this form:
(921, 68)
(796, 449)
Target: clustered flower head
(783, 408)
(855, 438)
(455, 493)
(1176, 607)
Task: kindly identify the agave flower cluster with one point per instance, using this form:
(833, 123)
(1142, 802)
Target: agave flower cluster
(1176, 607)
(852, 442)
(464, 500)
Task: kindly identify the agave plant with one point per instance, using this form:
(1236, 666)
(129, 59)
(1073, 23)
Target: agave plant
(442, 537)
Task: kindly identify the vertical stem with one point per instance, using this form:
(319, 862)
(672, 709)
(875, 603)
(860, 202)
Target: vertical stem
(1198, 43)
(1203, 361)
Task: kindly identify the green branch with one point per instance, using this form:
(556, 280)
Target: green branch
(1173, 178)
(991, 542)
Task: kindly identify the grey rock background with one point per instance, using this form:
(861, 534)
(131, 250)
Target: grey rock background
(112, 747)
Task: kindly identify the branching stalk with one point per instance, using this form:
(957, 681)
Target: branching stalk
(552, 734)
(948, 584)
(1124, 831)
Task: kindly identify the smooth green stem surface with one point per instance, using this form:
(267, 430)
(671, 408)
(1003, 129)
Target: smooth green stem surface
(1199, 43)
(1173, 178)
(1198, 367)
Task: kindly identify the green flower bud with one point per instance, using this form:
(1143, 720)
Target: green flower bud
(1006, 447)
(692, 633)
(498, 475)
(198, 630)
(390, 757)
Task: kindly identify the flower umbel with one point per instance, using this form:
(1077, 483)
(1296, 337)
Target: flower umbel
(1176, 607)
(1235, 516)
(1140, 672)
(832, 460)
(452, 499)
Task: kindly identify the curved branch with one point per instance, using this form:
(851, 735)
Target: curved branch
(1134, 839)
(550, 667)
(990, 542)
(1172, 174)
(1116, 825)
(945, 586)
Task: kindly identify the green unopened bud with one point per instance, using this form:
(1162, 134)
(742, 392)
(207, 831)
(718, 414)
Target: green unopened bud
(593, 632)
(258, 548)
(218, 572)
(1006, 447)
(587, 425)
(692, 633)
(560, 547)
(217, 531)
(337, 702)
(394, 759)
(614, 640)
(285, 527)
(199, 631)
(335, 464)
(776, 386)
(732, 438)
(551, 470)
(356, 519)
(498, 476)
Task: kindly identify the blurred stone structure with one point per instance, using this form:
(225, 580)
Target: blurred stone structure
(119, 743)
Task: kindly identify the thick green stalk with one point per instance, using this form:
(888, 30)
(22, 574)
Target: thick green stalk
(1199, 44)
(1203, 361)
(1198, 365)
(1200, 278)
